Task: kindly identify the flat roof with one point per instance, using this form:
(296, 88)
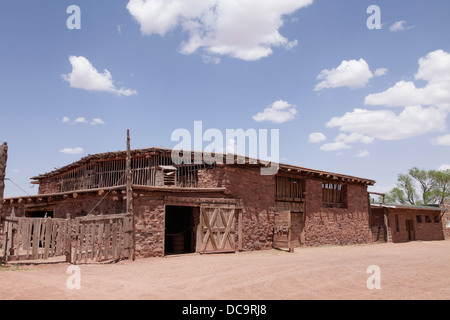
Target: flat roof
(411, 207)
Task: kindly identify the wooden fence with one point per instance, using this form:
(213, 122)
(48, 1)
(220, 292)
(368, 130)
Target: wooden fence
(102, 238)
(34, 238)
(83, 239)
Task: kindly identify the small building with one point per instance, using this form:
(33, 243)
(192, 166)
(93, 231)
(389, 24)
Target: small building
(205, 207)
(402, 223)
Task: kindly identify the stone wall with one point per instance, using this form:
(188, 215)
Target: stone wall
(424, 231)
(49, 187)
(336, 226)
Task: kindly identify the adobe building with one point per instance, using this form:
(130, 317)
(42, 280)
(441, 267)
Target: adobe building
(205, 208)
(402, 223)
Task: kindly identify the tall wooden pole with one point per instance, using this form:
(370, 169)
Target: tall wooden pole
(130, 191)
(3, 160)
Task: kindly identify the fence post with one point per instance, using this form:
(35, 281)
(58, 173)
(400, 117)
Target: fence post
(68, 240)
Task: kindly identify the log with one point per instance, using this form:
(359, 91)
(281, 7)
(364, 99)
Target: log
(3, 161)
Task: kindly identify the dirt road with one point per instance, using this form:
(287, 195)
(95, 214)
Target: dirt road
(417, 270)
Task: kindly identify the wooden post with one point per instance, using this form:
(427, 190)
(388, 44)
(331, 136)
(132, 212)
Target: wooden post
(130, 191)
(3, 160)
(68, 239)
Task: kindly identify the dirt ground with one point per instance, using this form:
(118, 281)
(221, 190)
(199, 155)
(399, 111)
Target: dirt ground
(416, 270)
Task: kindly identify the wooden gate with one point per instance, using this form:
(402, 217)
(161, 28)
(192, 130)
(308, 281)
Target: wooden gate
(217, 229)
(282, 232)
(101, 238)
(35, 238)
(84, 239)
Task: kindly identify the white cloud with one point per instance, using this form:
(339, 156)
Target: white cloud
(335, 146)
(344, 141)
(424, 110)
(85, 76)
(80, 120)
(387, 125)
(363, 154)
(210, 59)
(120, 28)
(72, 151)
(317, 137)
(15, 170)
(97, 121)
(381, 72)
(400, 26)
(279, 112)
(65, 120)
(352, 74)
(444, 167)
(435, 70)
(354, 138)
(244, 29)
(442, 140)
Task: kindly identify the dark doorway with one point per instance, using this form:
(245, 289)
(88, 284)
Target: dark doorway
(39, 214)
(180, 229)
(410, 230)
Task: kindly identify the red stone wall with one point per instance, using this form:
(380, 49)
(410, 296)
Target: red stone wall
(258, 195)
(336, 226)
(49, 187)
(446, 221)
(423, 231)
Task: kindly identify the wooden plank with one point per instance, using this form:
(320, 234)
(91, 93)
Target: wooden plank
(29, 244)
(83, 242)
(240, 223)
(106, 244)
(100, 242)
(77, 239)
(209, 235)
(120, 238)
(48, 238)
(93, 231)
(10, 240)
(36, 238)
(114, 240)
(228, 223)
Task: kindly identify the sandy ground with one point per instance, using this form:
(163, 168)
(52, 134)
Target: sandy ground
(418, 270)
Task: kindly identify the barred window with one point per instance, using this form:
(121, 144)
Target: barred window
(333, 193)
(289, 188)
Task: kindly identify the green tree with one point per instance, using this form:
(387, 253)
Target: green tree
(441, 191)
(404, 193)
(434, 187)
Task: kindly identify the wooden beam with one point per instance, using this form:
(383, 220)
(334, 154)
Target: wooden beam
(129, 190)
(3, 161)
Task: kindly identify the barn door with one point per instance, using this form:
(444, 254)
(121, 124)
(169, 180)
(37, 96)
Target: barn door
(283, 231)
(217, 229)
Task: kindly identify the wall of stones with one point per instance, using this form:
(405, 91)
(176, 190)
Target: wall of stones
(337, 226)
(423, 231)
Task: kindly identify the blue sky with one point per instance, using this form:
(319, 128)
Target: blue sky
(376, 100)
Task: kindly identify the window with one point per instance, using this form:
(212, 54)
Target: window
(436, 219)
(397, 226)
(333, 194)
(428, 219)
(419, 219)
(291, 188)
